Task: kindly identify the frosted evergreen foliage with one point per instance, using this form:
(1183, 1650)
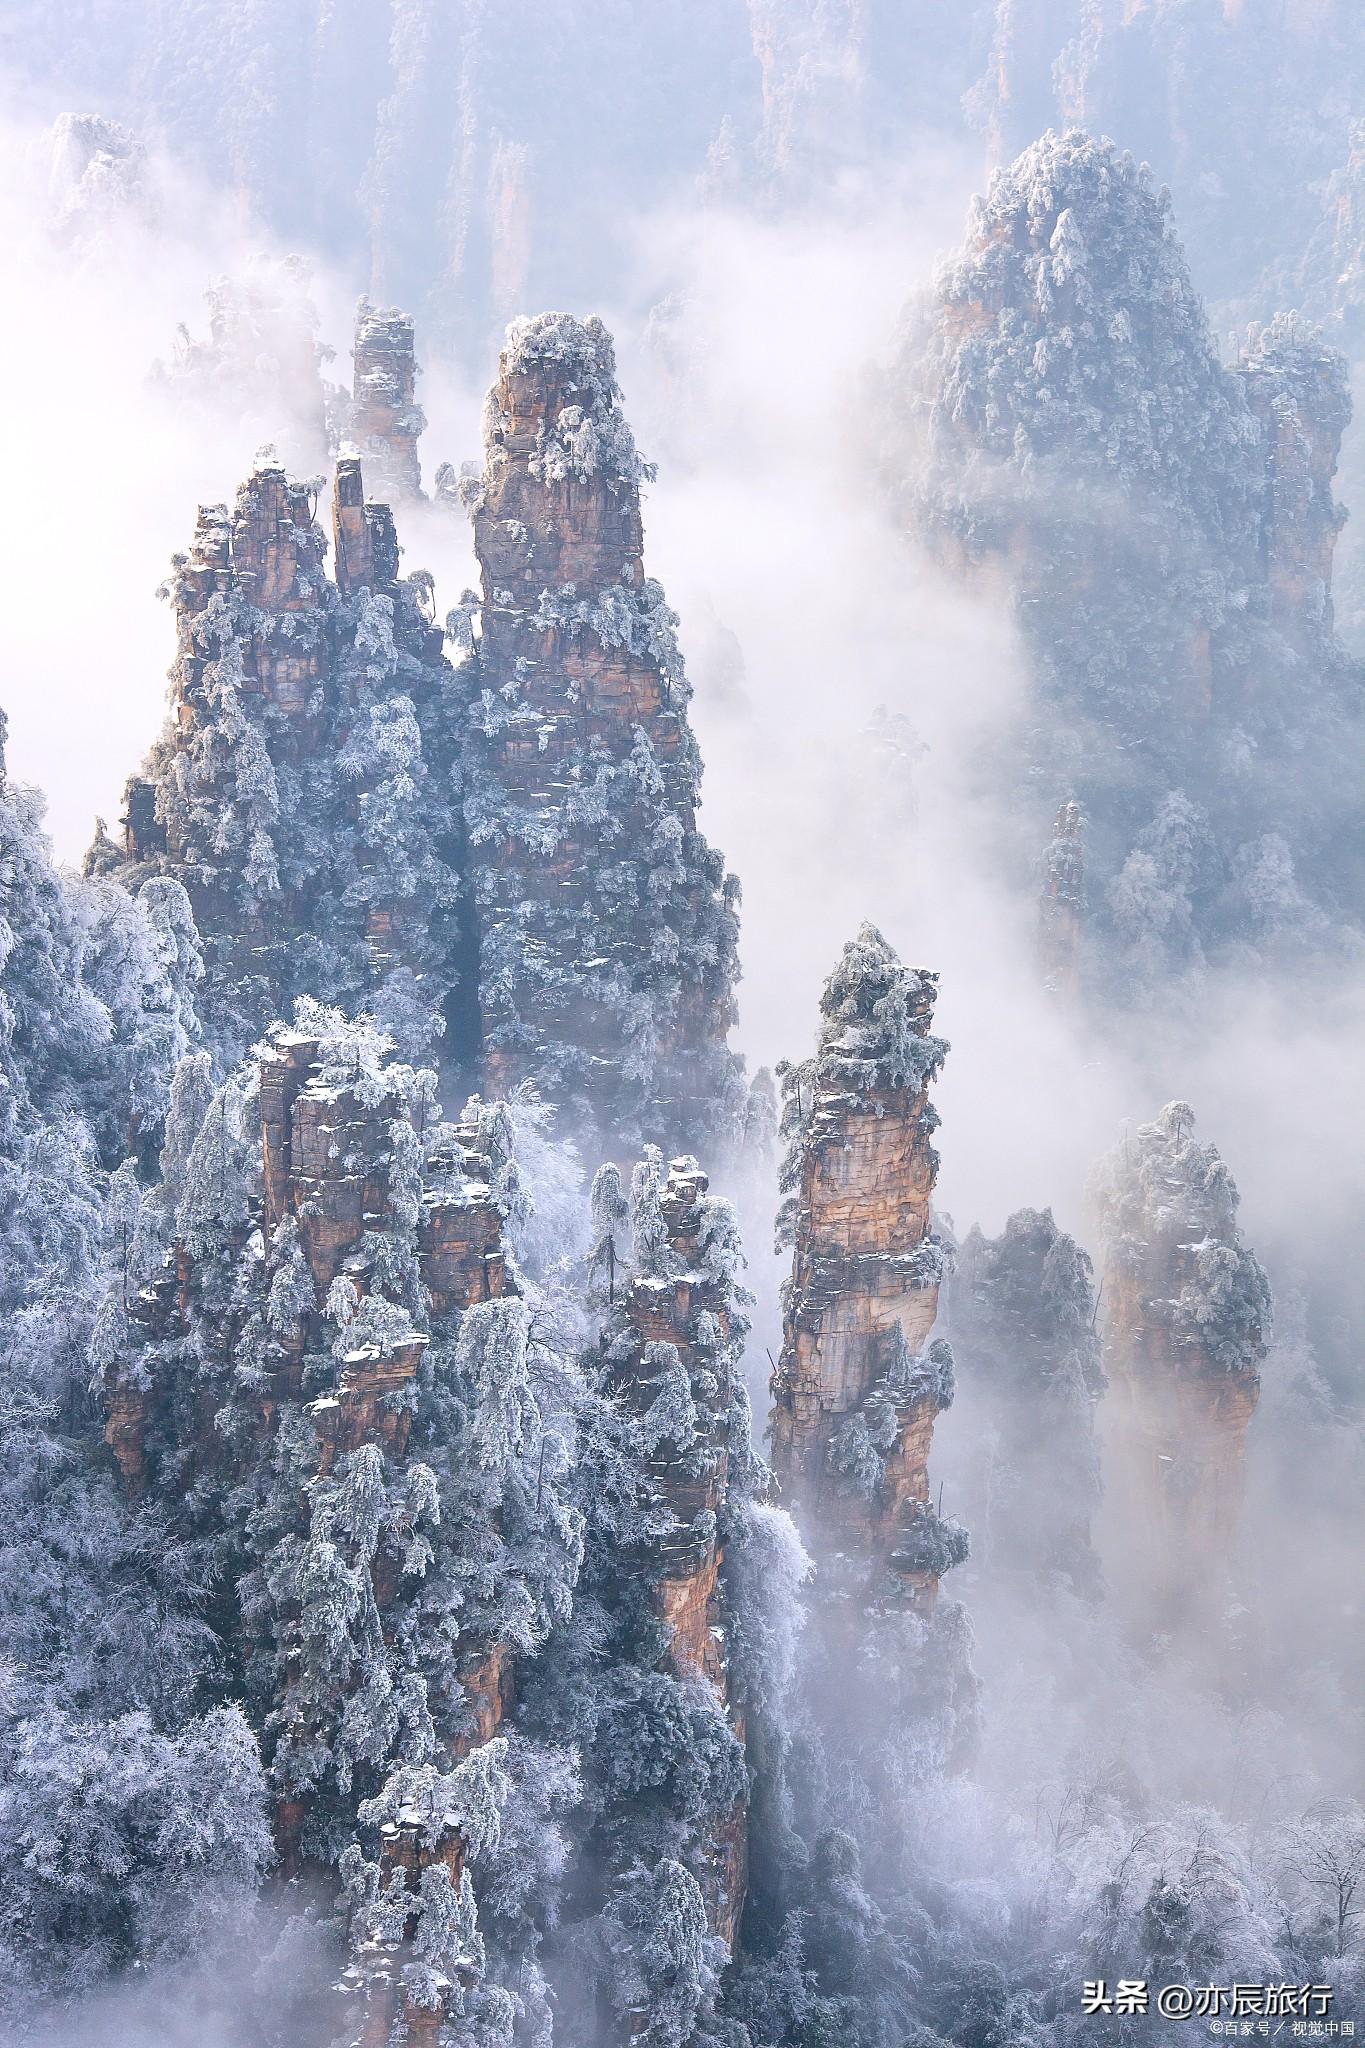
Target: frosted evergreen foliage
(363, 1592)
(317, 844)
(591, 436)
(134, 1807)
(872, 1031)
(1169, 1209)
(651, 1249)
(661, 1766)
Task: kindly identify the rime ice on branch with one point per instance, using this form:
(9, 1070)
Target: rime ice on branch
(855, 1391)
(607, 926)
(1186, 1305)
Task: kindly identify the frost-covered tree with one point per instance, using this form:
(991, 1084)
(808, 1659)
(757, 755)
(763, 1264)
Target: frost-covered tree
(132, 1807)
(1168, 1206)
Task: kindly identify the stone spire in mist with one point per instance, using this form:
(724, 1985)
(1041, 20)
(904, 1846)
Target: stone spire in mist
(305, 788)
(856, 1391)
(384, 419)
(606, 923)
(1186, 1305)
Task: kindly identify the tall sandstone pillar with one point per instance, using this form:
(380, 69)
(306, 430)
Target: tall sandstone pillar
(676, 1323)
(385, 420)
(856, 1392)
(1185, 1307)
(607, 929)
(305, 789)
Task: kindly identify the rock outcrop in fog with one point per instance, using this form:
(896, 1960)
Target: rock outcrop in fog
(1165, 526)
(499, 860)
(384, 419)
(607, 930)
(1185, 1310)
(306, 788)
(859, 1384)
(1024, 1327)
(1240, 107)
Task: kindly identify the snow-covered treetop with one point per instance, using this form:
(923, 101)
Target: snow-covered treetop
(1028, 1296)
(1163, 1189)
(352, 1052)
(580, 349)
(875, 1017)
(1297, 355)
(1163, 1174)
(587, 434)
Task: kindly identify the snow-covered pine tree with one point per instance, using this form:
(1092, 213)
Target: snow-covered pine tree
(133, 1802)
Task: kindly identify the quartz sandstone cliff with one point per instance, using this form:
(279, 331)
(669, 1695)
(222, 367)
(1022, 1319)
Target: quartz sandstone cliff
(304, 790)
(859, 1384)
(673, 1345)
(606, 923)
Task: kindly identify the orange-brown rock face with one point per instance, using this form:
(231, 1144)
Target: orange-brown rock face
(1061, 908)
(855, 1392)
(385, 419)
(673, 1328)
(374, 1980)
(1185, 1305)
(606, 928)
